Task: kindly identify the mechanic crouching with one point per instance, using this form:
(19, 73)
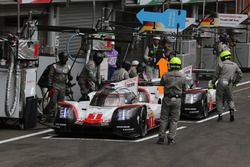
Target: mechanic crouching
(88, 79)
(174, 83)
(228, 74)
(57, 78)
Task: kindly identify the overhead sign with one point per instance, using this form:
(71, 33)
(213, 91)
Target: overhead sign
(35, 1)
(231, 20)
(151, 26)
(170, 18)
(223, 20)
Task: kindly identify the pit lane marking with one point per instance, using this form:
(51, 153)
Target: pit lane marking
(204, 120)
(243, 83)
(210, 118)
(53, 137)
(239, 90)
(156, 135)
(25, 136)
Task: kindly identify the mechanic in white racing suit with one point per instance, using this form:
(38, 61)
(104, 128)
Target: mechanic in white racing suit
(228, 74)
(174, 83)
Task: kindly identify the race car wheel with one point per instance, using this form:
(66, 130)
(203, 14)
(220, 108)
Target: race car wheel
(204, 107)
(143, 128)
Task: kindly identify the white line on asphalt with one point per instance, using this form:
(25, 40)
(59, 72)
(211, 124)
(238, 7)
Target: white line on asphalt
(189, 122)
(108, 140)
(204, 120)
(207, 119)
(25, 136)
(243, 83)
(239, 90)
(84, 139)
(151, 137)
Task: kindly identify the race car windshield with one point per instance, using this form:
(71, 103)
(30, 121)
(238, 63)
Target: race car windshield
(107, 97)
(105, 100)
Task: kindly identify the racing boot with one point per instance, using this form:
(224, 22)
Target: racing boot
(231, 115)
(171, 141)
(219, 117)
(160, 141)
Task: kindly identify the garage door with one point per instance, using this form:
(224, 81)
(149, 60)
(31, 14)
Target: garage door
(77, 15)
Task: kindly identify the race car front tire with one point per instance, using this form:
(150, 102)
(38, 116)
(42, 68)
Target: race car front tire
(143, 128)
(204, 106)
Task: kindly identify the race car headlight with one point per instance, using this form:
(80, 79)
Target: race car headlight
(192, 98)
(66, 113)
(126, 113)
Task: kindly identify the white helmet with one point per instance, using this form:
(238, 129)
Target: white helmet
(135, 63)
(157, 37)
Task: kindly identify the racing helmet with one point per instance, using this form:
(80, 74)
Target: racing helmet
(126, 65)
(63, 58)
(175, 63)
(97, 58)
(141, 67)
(225, 55)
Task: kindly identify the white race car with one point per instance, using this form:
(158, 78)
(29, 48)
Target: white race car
(116, 108)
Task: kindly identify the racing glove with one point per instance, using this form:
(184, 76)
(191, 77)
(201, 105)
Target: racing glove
(51, 91)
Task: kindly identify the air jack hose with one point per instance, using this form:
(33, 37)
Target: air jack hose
(10, 110)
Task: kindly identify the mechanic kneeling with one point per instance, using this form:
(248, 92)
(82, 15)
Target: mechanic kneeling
(174, 83)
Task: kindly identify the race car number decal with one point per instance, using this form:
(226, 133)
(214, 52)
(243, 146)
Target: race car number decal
(94, 118)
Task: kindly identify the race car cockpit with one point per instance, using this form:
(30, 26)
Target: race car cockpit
(111, 97)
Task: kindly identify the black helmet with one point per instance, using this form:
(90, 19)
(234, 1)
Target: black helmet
(118, 64)
(126, 65)
(141, 67)
(98, 58)
(63, 58)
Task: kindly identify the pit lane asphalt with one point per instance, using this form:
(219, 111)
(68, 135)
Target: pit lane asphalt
(207, 144)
